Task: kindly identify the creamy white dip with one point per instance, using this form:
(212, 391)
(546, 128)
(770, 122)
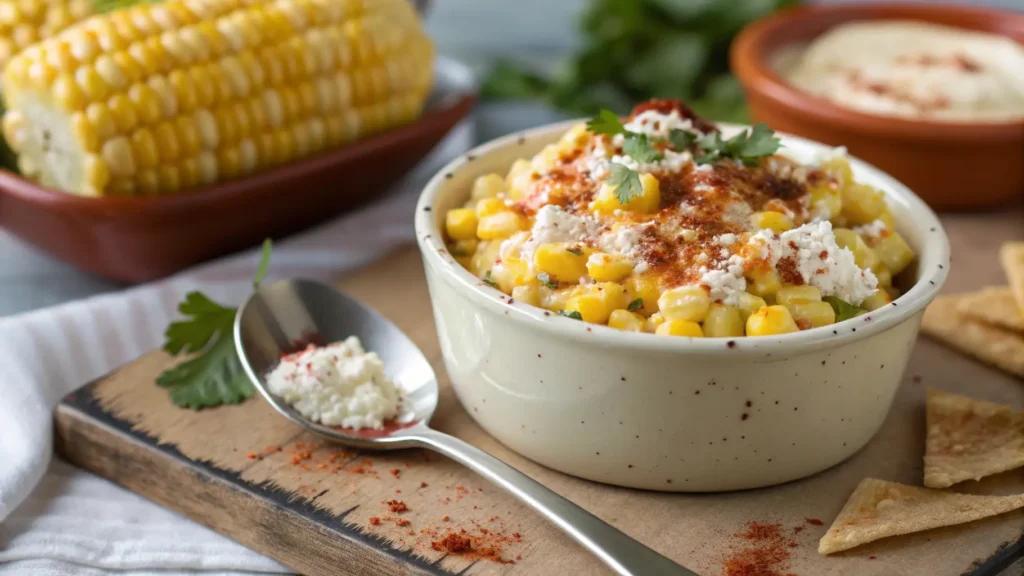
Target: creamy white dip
(913, 70)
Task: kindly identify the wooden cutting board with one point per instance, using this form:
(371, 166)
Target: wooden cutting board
(257, 479)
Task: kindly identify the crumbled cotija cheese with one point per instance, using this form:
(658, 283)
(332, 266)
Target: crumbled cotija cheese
(625, 240)
(337, 385)
(657, 124)
(727, 283)
(553, 224)
(819, 260)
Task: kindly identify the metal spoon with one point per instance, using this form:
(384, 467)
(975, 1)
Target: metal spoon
(279, 315)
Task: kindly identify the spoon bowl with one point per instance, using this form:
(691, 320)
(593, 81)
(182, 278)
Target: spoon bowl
(286, 316)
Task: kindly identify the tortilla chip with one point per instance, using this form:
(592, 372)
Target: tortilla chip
(1011, 255)
(1000, 348)
(994, 305)
(879, 509)
(969, 439)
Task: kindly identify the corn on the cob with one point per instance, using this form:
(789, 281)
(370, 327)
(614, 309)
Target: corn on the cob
(159, 98)
(25, 22)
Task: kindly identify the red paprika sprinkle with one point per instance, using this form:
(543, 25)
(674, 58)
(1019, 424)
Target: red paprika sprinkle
(375, 521)
(395, 472)
(761, 550)
(396, 506)
(814, 521)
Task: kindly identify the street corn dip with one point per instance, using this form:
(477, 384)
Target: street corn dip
(659, 224)
(913, 70)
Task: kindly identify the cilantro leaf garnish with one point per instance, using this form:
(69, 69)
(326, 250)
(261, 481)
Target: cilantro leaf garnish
(681, 139)
(635, 305)
(747, 147)
(574, 314)
(214, 376)
(487, 280)
(575, 250)
(639, 147)
(844, 310)
(626, 182)
(546, 280)
(607, 123)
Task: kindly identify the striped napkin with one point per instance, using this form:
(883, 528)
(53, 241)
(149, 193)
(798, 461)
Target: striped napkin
(56, 519)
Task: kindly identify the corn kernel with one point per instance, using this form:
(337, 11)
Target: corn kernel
(685, 303)
(863, 256)
(499, 226)
(464, 248)
(825, 199)
(764, 283)
(748, 304)
(862, 203)
(489, 206)
(653, 321)
(775, 221)
(511, 272)
(882, 274)
(557, 261)
(609, 267)
(528, 294)
(839, 169)
(875, 301)
(518, 179)
(812, 314)
(723, 322)
(646, 289)
(647, 202)
(626, 321)
(598, 302)
(771, 320)
(789, 294)
(679, 328)
(484, 257)
(487, 186)
(894, 253)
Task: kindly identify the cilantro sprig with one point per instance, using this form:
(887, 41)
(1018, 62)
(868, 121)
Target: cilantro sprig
(545, 279)
(574, 314)
(747, 148)
(636, 305)
(213, 376)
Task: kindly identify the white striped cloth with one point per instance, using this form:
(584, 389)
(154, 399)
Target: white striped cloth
(56, 519)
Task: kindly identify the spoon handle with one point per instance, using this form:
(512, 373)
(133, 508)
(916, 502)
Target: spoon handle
(621, 553)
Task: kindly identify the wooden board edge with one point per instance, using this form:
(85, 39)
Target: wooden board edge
(262, 518)
(1004, 556)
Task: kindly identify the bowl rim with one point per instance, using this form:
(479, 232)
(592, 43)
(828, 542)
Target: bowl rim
(747, 56)
(430, 240)
(456, 92)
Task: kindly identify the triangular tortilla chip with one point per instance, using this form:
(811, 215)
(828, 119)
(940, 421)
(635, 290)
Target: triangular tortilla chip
(879, 509)
(1011, 256)
(969, 439)
(1000, 348)
(994, 305)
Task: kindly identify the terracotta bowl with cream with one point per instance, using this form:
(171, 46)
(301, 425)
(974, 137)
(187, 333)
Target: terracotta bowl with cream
(670, 413)
(966, 164)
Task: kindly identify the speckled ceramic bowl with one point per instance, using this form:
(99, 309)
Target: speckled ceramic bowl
(675, 414)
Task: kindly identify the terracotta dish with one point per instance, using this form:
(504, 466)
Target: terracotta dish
(952, 166)
(141, 239)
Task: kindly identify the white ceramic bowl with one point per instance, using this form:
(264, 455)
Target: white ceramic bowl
(669, 413)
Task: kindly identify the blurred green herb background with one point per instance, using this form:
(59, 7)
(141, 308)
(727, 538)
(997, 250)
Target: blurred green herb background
(638, 49)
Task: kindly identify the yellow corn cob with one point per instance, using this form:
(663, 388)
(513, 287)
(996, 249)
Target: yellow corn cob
(25, 22)
(162, 97)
